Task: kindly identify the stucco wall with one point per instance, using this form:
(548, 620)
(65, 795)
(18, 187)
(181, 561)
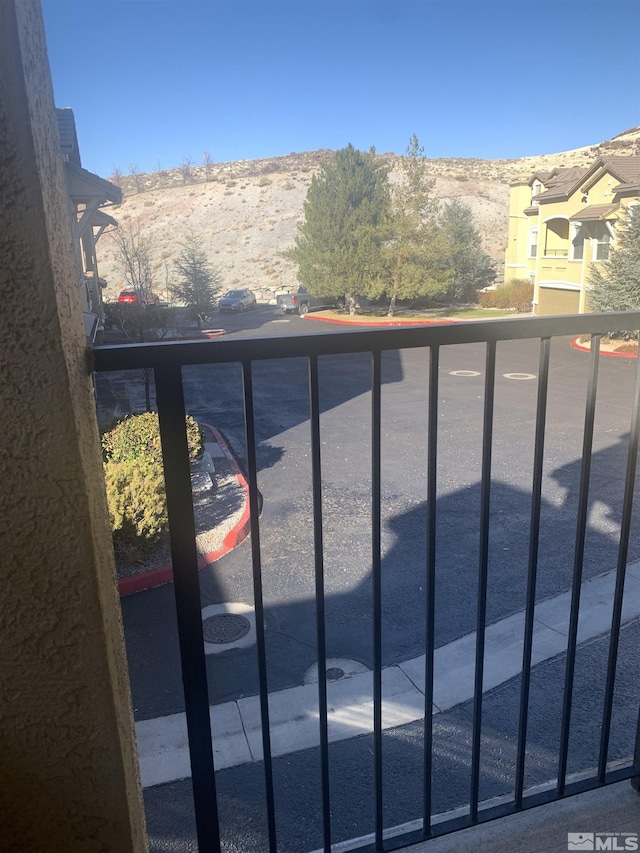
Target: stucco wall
(67, 758)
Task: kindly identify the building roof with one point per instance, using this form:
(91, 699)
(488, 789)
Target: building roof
(560, 183)
(85, 187)
(594, 212)
(625, 169)
(68, 135)
(542, 176)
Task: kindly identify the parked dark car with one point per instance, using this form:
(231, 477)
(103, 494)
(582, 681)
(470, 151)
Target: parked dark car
(303, 301)
(237, 300)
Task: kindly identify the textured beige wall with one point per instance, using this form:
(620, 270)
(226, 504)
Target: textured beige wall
(69, 779)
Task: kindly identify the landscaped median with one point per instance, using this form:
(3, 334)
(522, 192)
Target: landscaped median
(221, 515)
(409, 319)
(608, 346)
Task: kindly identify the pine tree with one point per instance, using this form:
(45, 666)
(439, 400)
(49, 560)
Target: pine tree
(416, 249)
(471, 267)
(197, 283)
(338, 246)
(614, 284)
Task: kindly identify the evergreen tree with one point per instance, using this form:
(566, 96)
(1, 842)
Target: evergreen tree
(614, 284)
(338, 246)
(416, 247)
(471, 268)
(197, 283)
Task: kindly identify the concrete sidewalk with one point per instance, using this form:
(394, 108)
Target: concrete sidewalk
(612, 812)
(236, 726)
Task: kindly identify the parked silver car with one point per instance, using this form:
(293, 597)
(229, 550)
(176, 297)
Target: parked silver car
(237, 300)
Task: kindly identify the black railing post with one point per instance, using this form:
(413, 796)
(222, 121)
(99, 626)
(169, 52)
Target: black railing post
(432, 481)
(623, 552)
(376, 529)
(316, 470)
(256, 559)
(581, 525)
(177, 475)
(483, 568)
(532, 568)
(635, 779)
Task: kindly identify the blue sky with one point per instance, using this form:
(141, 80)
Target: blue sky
(156, 80)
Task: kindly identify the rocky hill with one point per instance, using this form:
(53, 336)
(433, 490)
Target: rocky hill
(246, 212)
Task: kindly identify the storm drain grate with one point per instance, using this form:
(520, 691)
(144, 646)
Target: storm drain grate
(225, 628)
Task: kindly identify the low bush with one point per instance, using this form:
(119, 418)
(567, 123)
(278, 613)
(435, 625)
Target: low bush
(516, 294)
(137, 502)
(138, 437)
(134, 477)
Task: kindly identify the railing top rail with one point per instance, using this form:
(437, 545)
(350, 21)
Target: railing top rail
(163, 353)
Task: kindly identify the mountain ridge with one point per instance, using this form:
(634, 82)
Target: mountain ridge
(246, 212)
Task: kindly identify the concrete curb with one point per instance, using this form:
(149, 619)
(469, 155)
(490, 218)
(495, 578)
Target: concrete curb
(164, 574)
(576, 345)
(374, 322)
(205, 333)
(294, 711)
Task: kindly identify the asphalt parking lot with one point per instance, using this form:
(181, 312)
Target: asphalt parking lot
(213, 395)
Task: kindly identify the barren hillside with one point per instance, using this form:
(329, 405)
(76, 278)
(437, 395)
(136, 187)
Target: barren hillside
(246, 212)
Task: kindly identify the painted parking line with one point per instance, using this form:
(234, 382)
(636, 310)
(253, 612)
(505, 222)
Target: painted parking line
(294, 713)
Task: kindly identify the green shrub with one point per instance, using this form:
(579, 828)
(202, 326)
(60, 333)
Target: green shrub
(138, 437)
(137, 501)
(134, 477)
(516, 295)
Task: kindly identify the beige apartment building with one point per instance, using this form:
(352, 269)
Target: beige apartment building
(563, 221)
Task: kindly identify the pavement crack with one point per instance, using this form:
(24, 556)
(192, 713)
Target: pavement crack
(244, 732)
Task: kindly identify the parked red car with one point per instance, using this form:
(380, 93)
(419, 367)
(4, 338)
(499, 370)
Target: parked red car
(130, 297)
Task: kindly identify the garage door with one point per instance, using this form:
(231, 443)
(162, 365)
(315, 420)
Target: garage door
(552, 300)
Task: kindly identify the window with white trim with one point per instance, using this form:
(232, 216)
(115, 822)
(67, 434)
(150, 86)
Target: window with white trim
(577, 241)
(536, 189)
(602, 241)
(533, 242)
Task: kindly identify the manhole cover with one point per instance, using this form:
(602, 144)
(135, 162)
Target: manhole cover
(334, 674)
(519, 376)
(225, 628)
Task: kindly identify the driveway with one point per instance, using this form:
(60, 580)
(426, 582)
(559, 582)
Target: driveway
(214, 395)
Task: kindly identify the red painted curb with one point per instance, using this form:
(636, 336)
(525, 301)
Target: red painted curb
(164, 574)
(374, 322)
(576, 345)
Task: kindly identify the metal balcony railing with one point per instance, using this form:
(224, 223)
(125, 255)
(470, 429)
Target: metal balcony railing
(167, 360)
